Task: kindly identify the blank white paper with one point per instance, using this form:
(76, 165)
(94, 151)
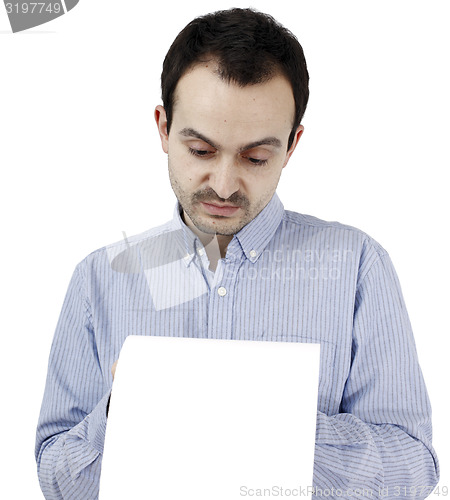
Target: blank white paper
(210, 419)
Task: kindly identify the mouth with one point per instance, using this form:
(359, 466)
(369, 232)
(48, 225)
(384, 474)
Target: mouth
(224, 210)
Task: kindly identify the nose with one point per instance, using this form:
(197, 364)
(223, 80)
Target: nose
(224, 178)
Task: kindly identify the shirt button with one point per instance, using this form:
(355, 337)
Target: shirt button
(201, 251)
(222, 291)
(253, 253)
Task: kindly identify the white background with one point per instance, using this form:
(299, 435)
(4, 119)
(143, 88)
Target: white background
(81, 162)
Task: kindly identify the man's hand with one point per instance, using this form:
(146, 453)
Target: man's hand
(113, 369)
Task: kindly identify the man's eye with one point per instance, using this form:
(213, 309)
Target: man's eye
(255, 161)
(199, 152)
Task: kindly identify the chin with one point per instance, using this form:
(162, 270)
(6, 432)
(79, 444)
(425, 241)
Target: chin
(219, 227)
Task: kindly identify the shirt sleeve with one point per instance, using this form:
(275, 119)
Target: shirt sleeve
(380, 441)
(72, 422)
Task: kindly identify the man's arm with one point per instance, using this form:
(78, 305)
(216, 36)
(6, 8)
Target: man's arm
(72, 423)
(381, 439)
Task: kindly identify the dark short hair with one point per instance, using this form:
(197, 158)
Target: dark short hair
(250, 47)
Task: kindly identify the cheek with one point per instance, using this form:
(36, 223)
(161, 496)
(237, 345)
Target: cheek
(262, 187)
(186, 171)
(260, 180)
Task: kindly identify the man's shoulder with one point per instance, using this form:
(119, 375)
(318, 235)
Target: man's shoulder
(111, 251)
(312, 221)
(325, 231)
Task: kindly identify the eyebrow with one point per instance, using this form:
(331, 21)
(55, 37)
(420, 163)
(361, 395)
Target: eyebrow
(268, 141)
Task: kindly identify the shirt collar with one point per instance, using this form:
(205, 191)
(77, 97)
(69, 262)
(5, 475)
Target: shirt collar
(251, 240)
(255, 236)
(184, 236)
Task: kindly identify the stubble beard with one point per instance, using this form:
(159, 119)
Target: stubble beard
(215, 224)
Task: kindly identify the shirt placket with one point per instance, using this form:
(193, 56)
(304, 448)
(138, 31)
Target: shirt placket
(222, 299)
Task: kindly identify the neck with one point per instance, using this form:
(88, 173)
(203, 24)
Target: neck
(208, 240)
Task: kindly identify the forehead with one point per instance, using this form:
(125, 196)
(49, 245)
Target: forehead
(203, 98)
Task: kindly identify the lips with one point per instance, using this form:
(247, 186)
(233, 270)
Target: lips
(224, 210)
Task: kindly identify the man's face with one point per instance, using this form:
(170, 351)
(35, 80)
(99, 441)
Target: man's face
(227, 147)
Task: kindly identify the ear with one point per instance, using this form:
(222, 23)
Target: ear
(161, 122)
(297, 136)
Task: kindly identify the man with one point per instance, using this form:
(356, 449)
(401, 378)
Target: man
(234, 264)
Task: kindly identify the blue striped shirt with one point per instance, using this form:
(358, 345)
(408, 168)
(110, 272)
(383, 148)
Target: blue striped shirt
(286, 277)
